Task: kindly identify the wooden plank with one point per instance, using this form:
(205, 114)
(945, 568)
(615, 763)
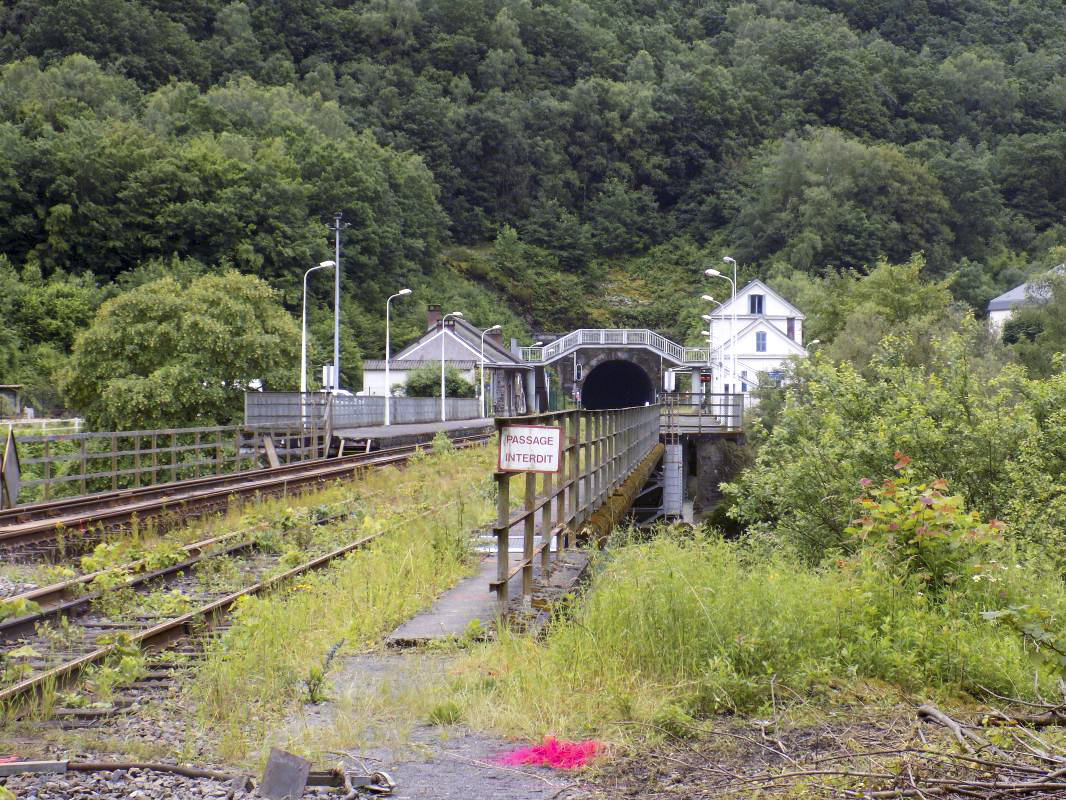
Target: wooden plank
(271, 452)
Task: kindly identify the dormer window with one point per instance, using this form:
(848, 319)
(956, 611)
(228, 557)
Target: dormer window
(755, 303)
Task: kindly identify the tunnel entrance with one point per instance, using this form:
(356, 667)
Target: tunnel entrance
(617, 384)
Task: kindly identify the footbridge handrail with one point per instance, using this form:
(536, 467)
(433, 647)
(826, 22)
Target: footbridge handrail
(600, 451)
(614, 337)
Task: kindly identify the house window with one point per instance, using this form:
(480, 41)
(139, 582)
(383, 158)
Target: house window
(755, 304)
(744, 380)
(760, 341)
(792, 328)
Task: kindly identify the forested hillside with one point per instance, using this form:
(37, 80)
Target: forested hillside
(538, 156)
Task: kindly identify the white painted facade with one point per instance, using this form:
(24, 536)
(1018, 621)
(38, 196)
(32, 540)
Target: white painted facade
(768, 330)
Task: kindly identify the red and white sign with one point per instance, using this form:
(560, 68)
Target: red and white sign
(531, 448)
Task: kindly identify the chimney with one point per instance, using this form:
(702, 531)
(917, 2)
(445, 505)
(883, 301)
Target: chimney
(496, 337)
(432, 316)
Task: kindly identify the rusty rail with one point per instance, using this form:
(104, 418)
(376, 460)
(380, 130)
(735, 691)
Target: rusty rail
(600, 450)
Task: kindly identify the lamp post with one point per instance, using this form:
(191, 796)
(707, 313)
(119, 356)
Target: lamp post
(338, 226)
(713, 273)
(303, 332)
(481, 378)
(388, 388)
(443, 330)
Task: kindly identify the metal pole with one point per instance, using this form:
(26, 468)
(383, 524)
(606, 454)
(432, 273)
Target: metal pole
(388, 389)
(338, 226)
(337, 306)
(443, 331)
(481, 378)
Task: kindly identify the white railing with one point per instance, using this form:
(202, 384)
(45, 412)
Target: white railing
(614, 337)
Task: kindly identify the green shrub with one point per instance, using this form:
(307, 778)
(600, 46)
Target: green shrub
(712, 626)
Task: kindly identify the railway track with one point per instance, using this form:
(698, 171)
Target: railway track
(172, 503)
(72, 606)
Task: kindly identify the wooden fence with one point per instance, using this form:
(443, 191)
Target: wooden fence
(600, 450)
(54, 466)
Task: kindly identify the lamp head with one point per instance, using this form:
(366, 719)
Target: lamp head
(536, 344)
(404, 291)
(705, 333)
(328, 264)
(707, 317)
(712, 273)
(455, 314)
(493, 328)
(814, 342)
(729, 260)
(708, 298)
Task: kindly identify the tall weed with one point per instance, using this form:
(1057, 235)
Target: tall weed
(712, 626)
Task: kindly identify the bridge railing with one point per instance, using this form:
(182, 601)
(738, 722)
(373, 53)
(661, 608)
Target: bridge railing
(620, 337)
(697, 411)
(600, 450)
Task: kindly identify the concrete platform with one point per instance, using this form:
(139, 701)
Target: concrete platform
(455, 611)
(396, 435)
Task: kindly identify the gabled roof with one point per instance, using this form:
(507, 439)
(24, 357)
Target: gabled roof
(462, 342)
(1026, 294)
(722, 310)
(764, 324)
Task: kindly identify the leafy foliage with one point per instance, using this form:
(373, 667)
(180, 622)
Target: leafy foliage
(166, 354)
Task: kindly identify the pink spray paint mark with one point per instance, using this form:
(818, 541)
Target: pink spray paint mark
(555, 754)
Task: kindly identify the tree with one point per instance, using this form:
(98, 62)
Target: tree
(165, 354)
(1036, 333)
(424, 381)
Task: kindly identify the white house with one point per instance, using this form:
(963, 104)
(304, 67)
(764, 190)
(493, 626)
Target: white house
(1027, 294)
(459, 343)
(768, 329)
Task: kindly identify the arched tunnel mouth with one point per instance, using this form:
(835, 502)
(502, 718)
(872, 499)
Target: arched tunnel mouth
(616, 384)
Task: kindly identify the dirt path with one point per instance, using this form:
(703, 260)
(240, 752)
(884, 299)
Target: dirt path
(368, 724)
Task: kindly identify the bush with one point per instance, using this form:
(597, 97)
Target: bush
(712, 626)
(424, 381)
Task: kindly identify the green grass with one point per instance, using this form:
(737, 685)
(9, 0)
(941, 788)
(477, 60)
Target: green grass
(256, 672)
(703, 626)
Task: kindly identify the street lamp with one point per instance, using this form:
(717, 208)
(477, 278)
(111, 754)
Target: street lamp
(303, 334)
(443, 330)
(481, 378)
(388, 388)
(713, 273)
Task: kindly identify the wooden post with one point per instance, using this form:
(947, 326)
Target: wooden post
(529, 527)
(137, 460)
(155, 458)
(546, 524)
(218, 452)
(503, 535)
(575, 457)
(114, 462)
(47, 470)
(84, 459)
(173, 456)
(196, 453)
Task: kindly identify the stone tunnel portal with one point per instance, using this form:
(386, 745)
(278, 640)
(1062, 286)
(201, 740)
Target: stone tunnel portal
(617, 384)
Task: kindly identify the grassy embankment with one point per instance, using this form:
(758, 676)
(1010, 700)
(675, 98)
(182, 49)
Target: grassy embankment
(675, 630)
(262, 667)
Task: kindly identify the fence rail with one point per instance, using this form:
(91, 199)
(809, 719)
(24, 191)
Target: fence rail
(266, 409)
(600, 450)
(693, 412)
(621, 337)
(54, 466)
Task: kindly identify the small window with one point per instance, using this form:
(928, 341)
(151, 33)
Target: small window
(760, 341)
(744, 380)
(755, 304)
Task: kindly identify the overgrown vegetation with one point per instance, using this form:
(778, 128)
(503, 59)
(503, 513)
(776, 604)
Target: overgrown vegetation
(425, 514)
